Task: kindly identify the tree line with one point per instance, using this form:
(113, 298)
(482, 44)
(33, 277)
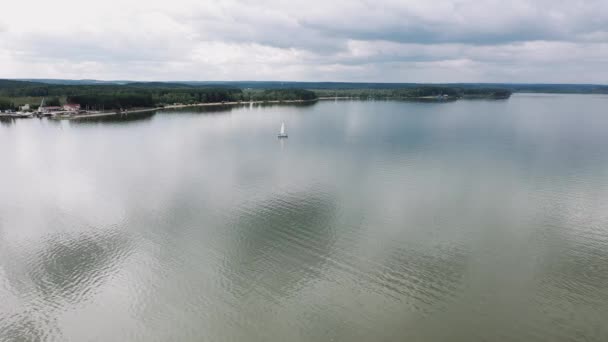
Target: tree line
(418, 92)
(6, 104)
(112, 96)
(156, 94)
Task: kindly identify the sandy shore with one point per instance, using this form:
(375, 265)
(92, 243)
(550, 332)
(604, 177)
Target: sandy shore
(327, 98)
(143, 110)
(97, 115)
(211, 104)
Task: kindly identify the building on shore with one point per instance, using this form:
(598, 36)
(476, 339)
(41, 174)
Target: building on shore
(24, 108)
(71, 107)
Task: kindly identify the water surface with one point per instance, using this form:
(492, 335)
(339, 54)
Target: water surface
(373, 221)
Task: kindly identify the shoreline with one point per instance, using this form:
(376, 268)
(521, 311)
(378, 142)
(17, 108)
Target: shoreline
(143, 110)
(102, 114)
(233, 103)
(244, 103)
(417, 98)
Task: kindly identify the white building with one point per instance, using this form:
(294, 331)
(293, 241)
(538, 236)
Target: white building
(71, 107)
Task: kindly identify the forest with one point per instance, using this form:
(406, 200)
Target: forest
(420, 92)
(158, 94)
(154, 94)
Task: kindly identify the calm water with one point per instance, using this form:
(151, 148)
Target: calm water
(374, 221)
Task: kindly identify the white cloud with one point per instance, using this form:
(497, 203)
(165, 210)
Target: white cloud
(383, 40)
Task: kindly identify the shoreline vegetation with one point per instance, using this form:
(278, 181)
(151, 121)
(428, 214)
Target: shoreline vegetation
(428, 93)
(77, 101)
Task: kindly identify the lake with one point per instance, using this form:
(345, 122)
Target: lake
(374, 221)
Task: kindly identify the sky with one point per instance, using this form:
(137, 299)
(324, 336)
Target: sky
(529, 41)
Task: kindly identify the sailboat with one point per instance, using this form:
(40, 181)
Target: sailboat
(282, 133)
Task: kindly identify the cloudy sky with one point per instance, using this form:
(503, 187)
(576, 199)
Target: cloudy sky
(312, 40)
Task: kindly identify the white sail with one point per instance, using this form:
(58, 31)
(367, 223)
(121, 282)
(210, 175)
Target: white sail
(282, 133)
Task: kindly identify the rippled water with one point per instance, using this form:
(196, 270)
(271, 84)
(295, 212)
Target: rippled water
(374, 221)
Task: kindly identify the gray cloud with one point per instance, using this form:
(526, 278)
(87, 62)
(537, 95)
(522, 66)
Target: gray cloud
(472, 22)
(479, 22)
(387, 40)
